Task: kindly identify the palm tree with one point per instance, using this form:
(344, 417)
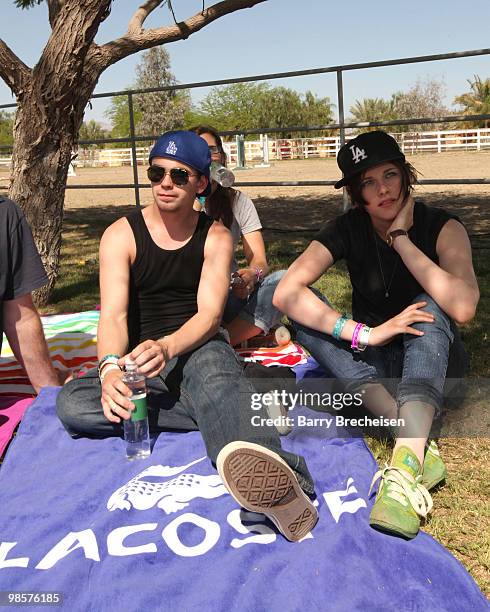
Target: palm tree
(477, 101)
(371, 109)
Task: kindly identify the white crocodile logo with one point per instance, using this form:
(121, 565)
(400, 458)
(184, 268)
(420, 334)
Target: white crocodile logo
(170, 495)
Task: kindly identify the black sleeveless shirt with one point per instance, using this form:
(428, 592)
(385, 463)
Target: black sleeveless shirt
(163, 284)
(351, 236)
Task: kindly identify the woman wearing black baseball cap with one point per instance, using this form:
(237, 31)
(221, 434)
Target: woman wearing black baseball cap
(412, 281)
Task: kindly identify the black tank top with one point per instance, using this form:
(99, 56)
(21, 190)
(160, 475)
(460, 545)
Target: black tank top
(163, 284)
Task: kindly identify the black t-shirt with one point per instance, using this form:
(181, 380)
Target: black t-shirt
(351, 236)
(21, 270)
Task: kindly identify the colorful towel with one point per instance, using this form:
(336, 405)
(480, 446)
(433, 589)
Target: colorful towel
(289, 355)
(163, 534)
(71, 341)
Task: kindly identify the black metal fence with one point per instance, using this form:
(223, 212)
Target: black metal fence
(341, 126)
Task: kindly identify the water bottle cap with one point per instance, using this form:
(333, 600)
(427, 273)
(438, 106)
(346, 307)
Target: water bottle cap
(129, 364)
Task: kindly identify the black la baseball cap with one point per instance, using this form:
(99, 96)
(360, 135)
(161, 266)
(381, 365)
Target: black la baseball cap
(365, 151)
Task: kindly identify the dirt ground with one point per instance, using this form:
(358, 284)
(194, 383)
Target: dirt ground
(305, 208)
(475, 164)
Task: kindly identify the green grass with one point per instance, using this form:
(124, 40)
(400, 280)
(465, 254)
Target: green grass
(460, 520)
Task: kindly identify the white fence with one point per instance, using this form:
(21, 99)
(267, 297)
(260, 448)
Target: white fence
(266, 149)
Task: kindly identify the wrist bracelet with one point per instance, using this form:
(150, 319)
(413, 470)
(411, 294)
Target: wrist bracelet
(110, 358)
(355, 336)
(339, 326)
(363, 338)
(106, 368)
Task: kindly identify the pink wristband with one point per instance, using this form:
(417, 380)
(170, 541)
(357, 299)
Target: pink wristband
(355, 336)
(259, 275)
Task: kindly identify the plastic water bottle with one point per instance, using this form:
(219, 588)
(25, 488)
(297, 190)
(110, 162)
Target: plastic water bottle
(136, 430)
(222, 175)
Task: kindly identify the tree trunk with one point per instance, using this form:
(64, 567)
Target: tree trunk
(52, 98)
(44, 138)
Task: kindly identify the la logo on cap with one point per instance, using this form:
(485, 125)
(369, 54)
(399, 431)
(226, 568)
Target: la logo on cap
(172, 148)
(357, 154)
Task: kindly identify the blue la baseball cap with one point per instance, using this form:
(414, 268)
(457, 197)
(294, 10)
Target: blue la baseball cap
(186, 147)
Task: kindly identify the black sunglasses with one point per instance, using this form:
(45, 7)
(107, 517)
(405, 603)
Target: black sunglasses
(178, 176)
(213, 149)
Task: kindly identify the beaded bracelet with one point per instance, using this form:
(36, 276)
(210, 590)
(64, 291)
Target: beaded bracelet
(339, 326)
(355, 336)
(363, 338)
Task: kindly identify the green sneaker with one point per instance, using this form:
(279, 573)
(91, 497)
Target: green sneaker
(401, 499)
(434, 470)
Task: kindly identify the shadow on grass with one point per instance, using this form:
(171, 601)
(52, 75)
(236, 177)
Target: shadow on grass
(77, 288)
(91, 222)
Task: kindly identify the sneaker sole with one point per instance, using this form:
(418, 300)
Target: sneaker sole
(390, 530)
(260, 481)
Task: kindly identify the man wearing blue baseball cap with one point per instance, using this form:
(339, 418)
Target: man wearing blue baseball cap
(164, 278)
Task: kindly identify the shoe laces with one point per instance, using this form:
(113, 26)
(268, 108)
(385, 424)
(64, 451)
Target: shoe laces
(402, 486)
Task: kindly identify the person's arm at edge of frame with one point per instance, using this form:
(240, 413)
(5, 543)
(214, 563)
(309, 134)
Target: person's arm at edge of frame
(25, 334)
(211, 295)
(452, 283)
(116, 248)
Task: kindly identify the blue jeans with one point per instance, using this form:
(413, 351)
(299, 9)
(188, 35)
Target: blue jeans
(203, 390)
(420, 362)
(258, 309)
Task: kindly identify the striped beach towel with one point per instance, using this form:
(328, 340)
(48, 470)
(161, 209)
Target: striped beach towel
(71, 340)
(289, 355)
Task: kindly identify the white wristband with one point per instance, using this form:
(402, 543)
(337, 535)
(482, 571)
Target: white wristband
(107, 367)
(363, 339)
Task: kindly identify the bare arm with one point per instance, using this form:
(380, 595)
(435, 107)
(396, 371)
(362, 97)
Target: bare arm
(452, 283)
(116, 248)
(254, 250)
(293, 297)
(25, 334)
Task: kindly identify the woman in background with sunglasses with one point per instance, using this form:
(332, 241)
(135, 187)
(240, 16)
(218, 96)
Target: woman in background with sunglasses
(412, 279)
(249, 310)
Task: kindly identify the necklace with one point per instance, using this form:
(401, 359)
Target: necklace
(387, 288)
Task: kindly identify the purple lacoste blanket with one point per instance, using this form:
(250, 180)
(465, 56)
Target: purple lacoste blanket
(163, 534)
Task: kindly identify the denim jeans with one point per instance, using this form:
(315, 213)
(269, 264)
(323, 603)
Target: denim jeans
(258, 309)
(420, 362)
(203, 390)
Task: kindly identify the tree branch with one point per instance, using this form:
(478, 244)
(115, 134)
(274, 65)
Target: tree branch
(63, 58)
(54, 8)
(136, 22)
(139, 39)
(12, 70)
